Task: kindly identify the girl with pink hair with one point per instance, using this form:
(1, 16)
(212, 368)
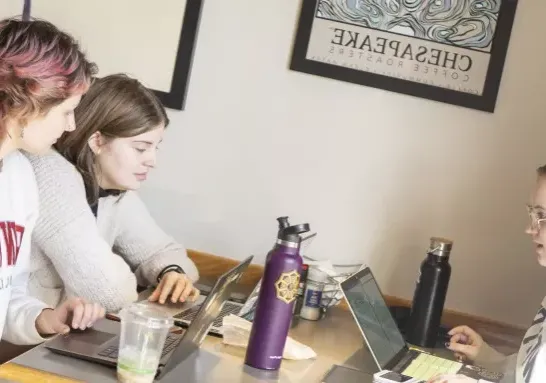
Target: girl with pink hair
(43, 74)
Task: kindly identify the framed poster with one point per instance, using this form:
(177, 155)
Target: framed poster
(448, 51)
(151, 41)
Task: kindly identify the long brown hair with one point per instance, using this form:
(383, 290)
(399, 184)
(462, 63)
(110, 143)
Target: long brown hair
(116, 106)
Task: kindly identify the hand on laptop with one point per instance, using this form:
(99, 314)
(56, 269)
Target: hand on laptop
(74, 312)
(465, 343)
(177, 285)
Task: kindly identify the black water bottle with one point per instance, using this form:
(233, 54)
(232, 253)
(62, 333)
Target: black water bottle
(430, 294)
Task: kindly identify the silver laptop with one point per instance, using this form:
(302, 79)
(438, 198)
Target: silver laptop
(385, 341)
(102, 347)
(187, 314)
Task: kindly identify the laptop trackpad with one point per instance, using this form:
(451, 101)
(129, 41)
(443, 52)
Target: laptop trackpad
(91, 336)
(86, 342)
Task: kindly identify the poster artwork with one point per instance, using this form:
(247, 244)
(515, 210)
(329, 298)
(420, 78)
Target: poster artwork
(446, 50)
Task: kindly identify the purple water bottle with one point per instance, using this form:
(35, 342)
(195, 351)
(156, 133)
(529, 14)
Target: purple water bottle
(276, 300)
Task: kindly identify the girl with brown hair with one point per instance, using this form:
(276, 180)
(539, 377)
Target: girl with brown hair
(95, 238)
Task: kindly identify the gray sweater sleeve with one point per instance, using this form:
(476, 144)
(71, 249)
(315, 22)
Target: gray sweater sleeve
(144, 245)
(493, 360)
(66, 232)
(509, 369)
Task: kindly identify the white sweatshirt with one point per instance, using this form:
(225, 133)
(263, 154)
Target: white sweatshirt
(18, 213)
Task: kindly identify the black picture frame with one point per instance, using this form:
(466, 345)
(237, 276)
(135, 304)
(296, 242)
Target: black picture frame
(176, 97)
(484, 102)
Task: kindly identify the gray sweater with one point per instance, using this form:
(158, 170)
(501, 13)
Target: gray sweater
(102, 258)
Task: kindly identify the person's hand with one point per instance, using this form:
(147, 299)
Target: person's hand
(177, 285)
(73, 313)
(465, 343)
(457, 378)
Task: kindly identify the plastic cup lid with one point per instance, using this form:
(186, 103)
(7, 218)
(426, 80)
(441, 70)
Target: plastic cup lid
(146, 315)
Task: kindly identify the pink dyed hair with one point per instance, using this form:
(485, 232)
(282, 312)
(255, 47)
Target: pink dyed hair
(40, 67)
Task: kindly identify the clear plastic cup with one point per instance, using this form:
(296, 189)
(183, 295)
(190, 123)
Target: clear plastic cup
(142, 337)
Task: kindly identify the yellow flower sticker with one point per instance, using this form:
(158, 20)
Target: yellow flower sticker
(287, 286)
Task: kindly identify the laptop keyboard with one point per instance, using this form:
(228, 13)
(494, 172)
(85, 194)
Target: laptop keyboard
(172, 340)
(170, 343)
(425, 366)
(228, 308)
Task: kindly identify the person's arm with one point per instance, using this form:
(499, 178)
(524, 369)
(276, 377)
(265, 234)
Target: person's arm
(23, 310)
(67, 233)
(509, 369)
(145, 246)
(491, 359)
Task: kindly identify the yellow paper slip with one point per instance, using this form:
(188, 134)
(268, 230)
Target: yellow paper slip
(22, 374)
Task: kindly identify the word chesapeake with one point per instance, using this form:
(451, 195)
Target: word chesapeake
(365, 45)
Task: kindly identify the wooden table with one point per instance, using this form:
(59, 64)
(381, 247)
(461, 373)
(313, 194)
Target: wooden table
(335, 339)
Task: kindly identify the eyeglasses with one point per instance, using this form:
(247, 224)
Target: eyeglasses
(537, 217)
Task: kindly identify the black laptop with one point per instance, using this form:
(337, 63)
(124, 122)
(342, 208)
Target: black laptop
(102, 347)
(385, 341)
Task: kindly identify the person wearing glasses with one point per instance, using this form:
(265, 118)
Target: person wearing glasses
(528, 365)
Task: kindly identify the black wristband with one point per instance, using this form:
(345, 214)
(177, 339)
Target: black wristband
(167, 269)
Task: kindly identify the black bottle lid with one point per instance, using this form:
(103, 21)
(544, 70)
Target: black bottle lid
(283, 223)
(292, 233)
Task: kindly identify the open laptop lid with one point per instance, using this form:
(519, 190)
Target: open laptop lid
(248, 310)
(374, 319)
(204, 319)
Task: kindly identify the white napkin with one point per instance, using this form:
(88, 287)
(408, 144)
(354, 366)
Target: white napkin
(236, 332)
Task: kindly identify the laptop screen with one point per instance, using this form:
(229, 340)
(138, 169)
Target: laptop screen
(373, 316)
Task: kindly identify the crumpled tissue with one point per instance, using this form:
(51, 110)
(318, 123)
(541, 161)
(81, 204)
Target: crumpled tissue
(236, 331)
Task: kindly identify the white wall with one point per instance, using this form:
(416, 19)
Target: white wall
(375, 173)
